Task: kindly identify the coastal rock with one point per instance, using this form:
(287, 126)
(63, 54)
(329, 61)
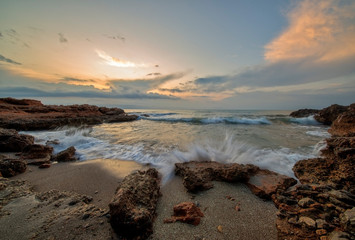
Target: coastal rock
(186, 212)
(264, 183)
(329, 114)
(26, 114)
(304, 113)
(347, 220)
(344, 125)
(132, 209)
(65, 156)
(198, 175)
(11, 141)
(37, 154)
(311, 211)
(12, 167)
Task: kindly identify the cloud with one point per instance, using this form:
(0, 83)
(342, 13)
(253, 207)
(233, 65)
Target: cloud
(117, 37)
(33, 92)
(154, 74)
(62, 39)
(112, 61)
(7, 60)
(324, 30)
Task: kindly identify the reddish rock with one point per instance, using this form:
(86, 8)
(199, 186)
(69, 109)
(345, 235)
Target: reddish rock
(132, 209)
(304, 113)
(37, 151)
(12, 167)
(264, 183)
(65, 156)
(45, 165)
(186, 212)
(329, 114)
(11, 141)
(29, 114)
(344, 125)
(198, 175)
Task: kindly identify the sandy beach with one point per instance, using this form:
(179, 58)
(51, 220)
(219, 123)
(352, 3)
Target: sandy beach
(99, 178)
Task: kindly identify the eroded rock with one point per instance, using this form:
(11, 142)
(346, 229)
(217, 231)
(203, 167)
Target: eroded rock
(198, 175)
(65, 156)
(11, 141)
(186, 212)
(329, 114)
(12, 167)
(132, 209)
(304, 113)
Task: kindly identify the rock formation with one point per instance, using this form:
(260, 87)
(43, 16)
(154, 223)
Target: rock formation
(26, 114)
(132, 209)
(186, 212)
(197, 176)
(304, 113)
(65, 156)
(323, 207)
(11, 141)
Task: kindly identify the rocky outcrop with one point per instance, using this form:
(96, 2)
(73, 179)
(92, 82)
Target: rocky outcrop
(329, 114)
(186, 212)
(323, 207)
(314, 212)
(37, 154)
(344, 125)
(11, 167)
(197, 176)
(304, 113)
(65, 156)
(132, 209)
(264, 183)
(11, 141)
(337, 163)
(27, 114)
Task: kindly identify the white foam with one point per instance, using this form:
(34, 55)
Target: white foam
(320, 133)
(305, 120)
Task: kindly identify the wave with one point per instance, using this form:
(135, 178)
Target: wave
(212, 120)
(323, 134)
(305, 121)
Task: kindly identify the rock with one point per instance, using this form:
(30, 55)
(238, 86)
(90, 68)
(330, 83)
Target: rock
(304, 113)
(45, 165)
(132, 209)
(186, 212)
(309, 222)
(12, 167)
(344, 125)
(220, 228)
(305, 202)
(65, 156)
(198, 175)
(329, 114)
(264, 183)
(11, 141)
(29, 114)
(347, 220)
(37, 151)
(337, 235)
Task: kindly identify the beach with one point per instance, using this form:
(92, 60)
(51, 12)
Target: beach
(99, 178)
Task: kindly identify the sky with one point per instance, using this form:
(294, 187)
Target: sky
(186, 54)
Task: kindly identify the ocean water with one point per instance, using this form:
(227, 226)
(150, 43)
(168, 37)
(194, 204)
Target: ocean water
(161, 138)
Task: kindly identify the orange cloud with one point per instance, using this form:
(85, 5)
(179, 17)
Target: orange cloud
(112, 61)
(324, 30)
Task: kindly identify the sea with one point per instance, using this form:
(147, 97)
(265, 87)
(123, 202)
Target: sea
(269, 139)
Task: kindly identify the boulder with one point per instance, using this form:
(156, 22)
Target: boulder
(264, 183)
(12, 167)
(198, 175)
(37, 154)
(65, 156)
(11, 141)
(329, 114)
(186, 212)
(304, 113)
(132, 209)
